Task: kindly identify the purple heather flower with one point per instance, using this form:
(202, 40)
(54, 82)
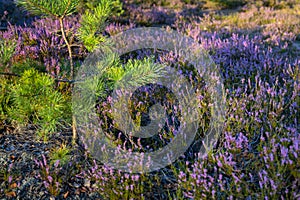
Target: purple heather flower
(50, 179)
(9, 179)
(46, 184)
(284, 153)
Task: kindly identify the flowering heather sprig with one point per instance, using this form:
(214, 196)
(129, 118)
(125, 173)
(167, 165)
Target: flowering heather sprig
(50, 176)
(8, 182)
(114, 184)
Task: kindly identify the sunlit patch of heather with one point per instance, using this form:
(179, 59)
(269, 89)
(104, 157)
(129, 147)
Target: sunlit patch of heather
(262, 88)
(275, 26)
(241, 56)
(258, 151)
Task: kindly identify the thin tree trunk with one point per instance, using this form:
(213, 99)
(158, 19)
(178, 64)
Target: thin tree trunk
(68, 46)
(71, 73)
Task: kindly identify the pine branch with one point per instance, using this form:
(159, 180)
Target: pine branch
(67, 7)
(54, 8)
(35, 8)
(141, 72)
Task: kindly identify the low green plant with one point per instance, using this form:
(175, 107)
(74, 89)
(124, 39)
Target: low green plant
(5, 85)
(35, 101)
(7, 49)
(92, 22)
(60, 153)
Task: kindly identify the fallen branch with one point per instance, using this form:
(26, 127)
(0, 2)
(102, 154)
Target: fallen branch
(57, 80)
(9, 74)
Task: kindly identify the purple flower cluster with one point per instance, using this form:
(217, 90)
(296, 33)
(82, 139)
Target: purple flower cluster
(266, 174)
(42, 41)
(115, 28)
(259, 149)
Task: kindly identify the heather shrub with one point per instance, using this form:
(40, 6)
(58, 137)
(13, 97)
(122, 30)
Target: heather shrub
(34, 101)
(275, 26)
(144, 71)
(115, 184)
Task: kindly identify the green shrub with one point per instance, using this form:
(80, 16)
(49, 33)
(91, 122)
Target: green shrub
(5, 98)
(34, 100)
(7, 49)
